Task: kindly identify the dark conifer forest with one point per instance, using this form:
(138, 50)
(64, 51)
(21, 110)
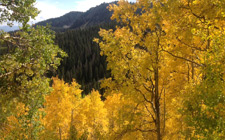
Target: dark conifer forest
(84, 62)
(75, 32)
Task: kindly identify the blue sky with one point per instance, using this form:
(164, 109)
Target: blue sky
(56, 8)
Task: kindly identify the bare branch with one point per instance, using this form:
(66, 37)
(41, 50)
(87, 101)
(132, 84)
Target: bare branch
(147, 100)
(183, 58)
(142, 95)
(153, 118)
(148, 130)
(199, 49)
(147, 88)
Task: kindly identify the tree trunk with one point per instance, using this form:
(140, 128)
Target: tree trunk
(193, 66)
(164, 114)
(60, 133)
(157, 97)
(157, 104)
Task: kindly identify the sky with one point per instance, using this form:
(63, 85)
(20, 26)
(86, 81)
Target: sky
(56, 8)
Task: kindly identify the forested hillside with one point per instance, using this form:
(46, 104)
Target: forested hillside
(75, 32)
(63, 22)
(84, 62)
(94, 16)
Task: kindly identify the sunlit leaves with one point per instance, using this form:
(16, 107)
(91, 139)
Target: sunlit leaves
(20, 11)
(58, 107)
(31, 53)
(70, 115)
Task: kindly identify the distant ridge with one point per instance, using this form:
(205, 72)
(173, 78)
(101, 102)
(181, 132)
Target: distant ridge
(9, 29)
(73, 20)
(62, 22)
(94, 16)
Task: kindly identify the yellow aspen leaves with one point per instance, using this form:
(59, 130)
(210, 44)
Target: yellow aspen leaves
(167, 78)
(65, 108)
(58, 107)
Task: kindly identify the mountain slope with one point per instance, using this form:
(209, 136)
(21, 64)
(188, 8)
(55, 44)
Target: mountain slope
(84, 62)
(73, 20)
(64, 21)
(94, 16)
(8, 28)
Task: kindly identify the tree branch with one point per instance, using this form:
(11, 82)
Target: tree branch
(183, 58)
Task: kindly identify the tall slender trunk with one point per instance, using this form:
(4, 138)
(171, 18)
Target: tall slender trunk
(157, 97)
(157, 104)
(71, 118)
(188, 73)
(164, 114)
(208, 41)
(193, 66)
(60, 133)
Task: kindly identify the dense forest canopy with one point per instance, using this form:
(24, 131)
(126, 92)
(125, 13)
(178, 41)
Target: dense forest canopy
(84, 62)
(161, 66)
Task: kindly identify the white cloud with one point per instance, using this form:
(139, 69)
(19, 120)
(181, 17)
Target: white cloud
(48, 10)
(84, 5)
